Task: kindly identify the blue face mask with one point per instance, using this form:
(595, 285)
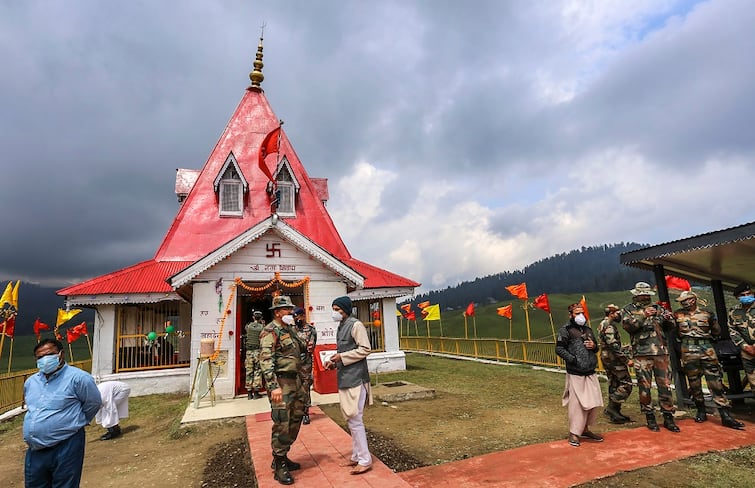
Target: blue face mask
(48, 364)
(747, 299)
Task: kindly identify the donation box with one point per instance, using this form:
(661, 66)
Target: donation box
(325, 380)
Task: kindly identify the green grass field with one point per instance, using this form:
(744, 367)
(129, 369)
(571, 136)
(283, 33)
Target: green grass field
(23, 357)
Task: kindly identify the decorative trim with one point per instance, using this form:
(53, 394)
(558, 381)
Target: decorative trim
(121, 299)
(370, 293)
(230, 160)
(285, 231)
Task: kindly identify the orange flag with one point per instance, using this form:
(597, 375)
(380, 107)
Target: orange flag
(583, 304)
(9, 326)
(424, 304)
(505, 311)
(470, 310)
(271, 144)
(72, 335)
(519, 291)
(38, 327)
(407, 307)
(541, 302)
(677, 283)
(81, 329)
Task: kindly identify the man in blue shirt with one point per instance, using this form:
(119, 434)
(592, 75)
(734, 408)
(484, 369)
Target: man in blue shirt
(61, 400)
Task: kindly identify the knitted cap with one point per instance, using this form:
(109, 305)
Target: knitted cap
(344, 303)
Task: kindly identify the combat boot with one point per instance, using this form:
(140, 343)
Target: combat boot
(728, 421)
(613, 412)
(281, 474)
(652, 424)
(257, 394)
(701, 415)
(668, 422)
(292, 466)
(305, 419)
(249, 395)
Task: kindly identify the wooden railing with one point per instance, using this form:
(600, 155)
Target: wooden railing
(12, 385)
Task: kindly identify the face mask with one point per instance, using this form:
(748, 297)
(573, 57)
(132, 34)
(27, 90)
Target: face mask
(336, 316)
(288, 319)
(580, 319)
(48, 364)
(747, 299)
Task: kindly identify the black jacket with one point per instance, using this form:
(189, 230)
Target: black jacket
(570, 345)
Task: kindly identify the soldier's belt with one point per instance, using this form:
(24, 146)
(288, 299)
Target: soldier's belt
(693, 340)
(287, 374)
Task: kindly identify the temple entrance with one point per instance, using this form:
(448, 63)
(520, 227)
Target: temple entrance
(253, 296)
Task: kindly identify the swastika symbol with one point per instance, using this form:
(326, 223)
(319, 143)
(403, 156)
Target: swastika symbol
(273, 250)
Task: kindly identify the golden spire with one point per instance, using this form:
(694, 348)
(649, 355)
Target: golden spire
(256, 75)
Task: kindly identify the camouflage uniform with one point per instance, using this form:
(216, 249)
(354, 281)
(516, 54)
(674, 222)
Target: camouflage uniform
(650, 354)
(281, 354)
(308, 336)
(252, 363)
(614, 360)
(696, 329)
(742, 332)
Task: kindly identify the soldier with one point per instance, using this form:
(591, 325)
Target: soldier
(281, 353)
(742, 329)
(645, 322)
(308, 335)
(697, 328)
(616, 364)
(252, 332)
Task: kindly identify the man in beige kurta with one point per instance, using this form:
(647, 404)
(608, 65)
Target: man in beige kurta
(353, 347)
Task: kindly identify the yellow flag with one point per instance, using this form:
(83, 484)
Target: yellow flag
(433, 312)
(7, 294)
(398, 314)
(65, 316)
(14, 295)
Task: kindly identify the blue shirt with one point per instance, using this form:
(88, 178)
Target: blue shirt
(58, 406)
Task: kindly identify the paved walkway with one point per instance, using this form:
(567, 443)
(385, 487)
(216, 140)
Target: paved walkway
(322, 445)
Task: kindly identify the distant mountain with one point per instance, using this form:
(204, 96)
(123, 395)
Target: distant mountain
(38, 301)
(589, 269)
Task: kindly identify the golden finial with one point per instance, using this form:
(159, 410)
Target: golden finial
(256, 75)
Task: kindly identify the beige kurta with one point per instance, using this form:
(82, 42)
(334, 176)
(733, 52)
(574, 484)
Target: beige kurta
(583, 398)
(349, 397)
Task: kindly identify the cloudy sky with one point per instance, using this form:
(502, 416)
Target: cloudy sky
(460, 139)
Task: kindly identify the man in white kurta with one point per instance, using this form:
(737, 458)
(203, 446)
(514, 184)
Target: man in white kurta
(353, 346)
(114, 407)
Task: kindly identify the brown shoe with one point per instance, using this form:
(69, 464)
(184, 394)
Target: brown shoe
(592, 436)
(359, 469)
(348, 464)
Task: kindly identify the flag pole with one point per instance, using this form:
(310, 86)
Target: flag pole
(527, 319)
(2, 338)
(553, 328)
(70, 351)
(416, 331)
(511, 327)
(466, 335)
(440, 321)
(10, 354)
(91, 356)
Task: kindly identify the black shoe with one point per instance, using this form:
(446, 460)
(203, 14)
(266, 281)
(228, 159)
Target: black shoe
(652, 424)
(257, 395)
(573, 440)
(701, 415)
(281, 474)
(668, 422)
(592, 436)
(249, 395)
(614, 414)
(728, 421)
(305, 419)
(112, 433)
(292, 466)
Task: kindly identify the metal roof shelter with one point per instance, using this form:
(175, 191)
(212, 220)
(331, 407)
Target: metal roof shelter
(722, 258)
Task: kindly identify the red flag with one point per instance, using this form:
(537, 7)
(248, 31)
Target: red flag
(81, 329)
(583, 304)
(9, 326)
(72, 335)
(541, 302)
(411, 316)
(470, 310)
(39, 326)
(665, 305)
(423, 304)
(271, 144)
(519, 291)
(504, 311)
(407, 307)
(677, 283)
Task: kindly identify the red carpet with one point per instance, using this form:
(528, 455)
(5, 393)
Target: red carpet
(322, 445)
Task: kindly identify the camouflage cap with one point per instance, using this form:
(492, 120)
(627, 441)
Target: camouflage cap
(256, 313)
(685, 295)
(610, 308)
(281, 301)
(642, 288)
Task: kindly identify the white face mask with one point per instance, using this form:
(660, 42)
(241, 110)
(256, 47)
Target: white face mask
(580, 319)
(336, 316)
(288, 319)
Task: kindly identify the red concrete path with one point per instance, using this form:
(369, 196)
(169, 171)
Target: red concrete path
(322, 445)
